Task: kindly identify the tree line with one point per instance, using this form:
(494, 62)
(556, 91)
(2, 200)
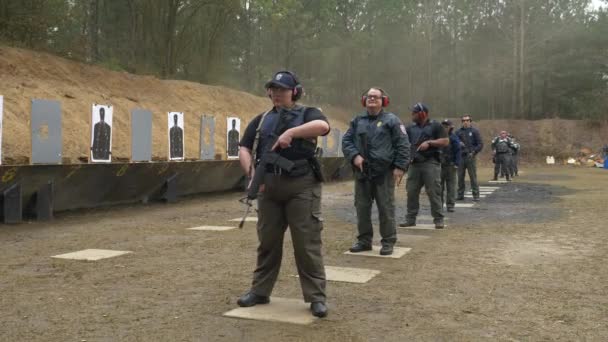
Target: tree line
(524, 59)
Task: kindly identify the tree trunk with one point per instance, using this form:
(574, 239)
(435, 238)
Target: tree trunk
(522, 78)
(94, 30)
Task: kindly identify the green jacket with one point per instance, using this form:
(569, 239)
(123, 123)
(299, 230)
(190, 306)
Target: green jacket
(387, 144)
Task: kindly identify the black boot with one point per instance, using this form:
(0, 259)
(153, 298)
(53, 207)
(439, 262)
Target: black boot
(251, 299)
(318, 309)
(359, 247)
(386, 249)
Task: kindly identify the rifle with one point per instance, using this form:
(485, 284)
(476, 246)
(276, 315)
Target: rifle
(417, 157)
(269, 158)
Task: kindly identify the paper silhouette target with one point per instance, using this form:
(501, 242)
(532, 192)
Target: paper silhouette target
(101, 134)
(176, 135)
(233, 136)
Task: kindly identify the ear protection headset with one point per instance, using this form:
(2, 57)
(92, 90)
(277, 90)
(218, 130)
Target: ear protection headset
(297, 92)
(386, 100)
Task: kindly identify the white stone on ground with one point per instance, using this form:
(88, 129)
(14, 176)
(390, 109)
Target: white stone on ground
(91, 254)
(212, 228)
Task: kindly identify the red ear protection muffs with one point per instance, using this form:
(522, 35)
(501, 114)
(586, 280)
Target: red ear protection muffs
(386, 100)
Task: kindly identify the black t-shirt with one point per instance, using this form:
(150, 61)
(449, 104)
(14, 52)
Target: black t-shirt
(312, 114)
(431, 130)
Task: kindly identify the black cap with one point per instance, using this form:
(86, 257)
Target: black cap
(282, 79)
(420, 107)
(447, 123)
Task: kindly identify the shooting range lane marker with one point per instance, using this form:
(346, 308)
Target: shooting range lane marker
(423, 226)
(348, 274)
(249, 219)
(282, 310)
(471, 196)
(465, 205)
(212, 228)
(398, 252)
(91, 254)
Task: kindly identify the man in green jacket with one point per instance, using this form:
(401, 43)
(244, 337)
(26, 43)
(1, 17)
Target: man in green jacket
(376, 144)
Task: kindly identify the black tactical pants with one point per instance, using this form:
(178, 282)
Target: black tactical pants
(293, 202)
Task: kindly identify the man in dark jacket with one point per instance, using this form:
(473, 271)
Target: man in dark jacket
(427, 138)
(377, 146)
(501, 150)
(450, 159)
(470, 144)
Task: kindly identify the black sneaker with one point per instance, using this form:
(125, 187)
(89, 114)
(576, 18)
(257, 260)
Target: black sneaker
(359, 247)
(251, 299)
(407, 224)
(475, 199)
(386, 250)
(460, 198)
(450, 209)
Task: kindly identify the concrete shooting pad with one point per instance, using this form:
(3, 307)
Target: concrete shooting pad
(91, 254)
(422, 226)
(465, 205)
(349, 275)
(398, 252)
(282, 310)
(249, 219)
(212, 228)
(410, 238)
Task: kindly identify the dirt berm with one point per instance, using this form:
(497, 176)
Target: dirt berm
(27, 75)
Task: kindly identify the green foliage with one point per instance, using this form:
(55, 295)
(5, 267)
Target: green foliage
(492, 59)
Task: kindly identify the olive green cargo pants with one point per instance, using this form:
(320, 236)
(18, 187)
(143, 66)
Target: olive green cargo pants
(293, 202)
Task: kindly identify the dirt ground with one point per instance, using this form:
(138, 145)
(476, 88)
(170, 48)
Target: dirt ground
(527, 264)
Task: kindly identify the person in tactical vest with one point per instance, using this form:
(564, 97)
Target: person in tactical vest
(501, 150)
(427, 138)
(376, 145)
(514, 169)
(282, 143)
(470, 145)
(450, 159)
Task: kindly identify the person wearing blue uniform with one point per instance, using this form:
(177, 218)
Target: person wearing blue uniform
(450, 159)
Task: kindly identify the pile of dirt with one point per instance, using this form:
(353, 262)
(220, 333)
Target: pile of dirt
(27, 75)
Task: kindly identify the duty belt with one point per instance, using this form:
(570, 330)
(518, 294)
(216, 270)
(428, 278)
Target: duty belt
(301, 167)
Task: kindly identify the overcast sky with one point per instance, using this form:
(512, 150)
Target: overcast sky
(597, 3)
